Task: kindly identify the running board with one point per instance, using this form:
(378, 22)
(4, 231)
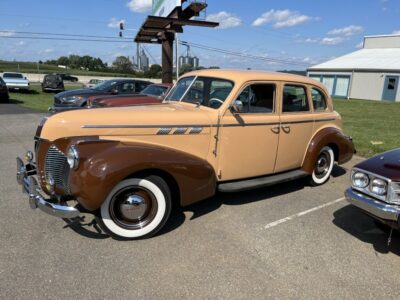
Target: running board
(242, 185)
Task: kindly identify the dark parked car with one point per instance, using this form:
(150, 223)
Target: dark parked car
(375, 188)
(3, 91)
(52, 83)
(67, 77)
(74, 99)
(153, 93)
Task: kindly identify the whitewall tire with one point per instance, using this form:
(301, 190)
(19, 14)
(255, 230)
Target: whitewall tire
(136, 208)
(323, 166)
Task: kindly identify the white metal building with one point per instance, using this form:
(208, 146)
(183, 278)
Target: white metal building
(371, 73)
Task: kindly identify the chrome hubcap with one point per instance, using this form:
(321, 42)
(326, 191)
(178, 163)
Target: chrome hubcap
(322, 165)
(133, 208)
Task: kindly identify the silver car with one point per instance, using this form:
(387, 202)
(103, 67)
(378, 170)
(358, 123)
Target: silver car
(16, 81)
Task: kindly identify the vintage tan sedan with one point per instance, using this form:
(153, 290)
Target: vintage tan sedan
(216, 130)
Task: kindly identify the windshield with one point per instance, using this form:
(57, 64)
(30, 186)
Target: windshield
(154, 90)
(206, 91)
(105, 86)
(12, 75)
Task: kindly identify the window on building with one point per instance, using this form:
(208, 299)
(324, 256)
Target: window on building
(258, 98)
(329, 82)
(294, 99)
(316, 77)
(391, 83)
(318, 99)
(342, 86)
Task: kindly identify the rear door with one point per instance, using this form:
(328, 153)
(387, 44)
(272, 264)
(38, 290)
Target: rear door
(296, 124)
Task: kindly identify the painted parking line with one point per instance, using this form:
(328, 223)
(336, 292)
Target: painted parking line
(300, 214)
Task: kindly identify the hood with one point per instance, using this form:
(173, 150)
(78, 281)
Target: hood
(385, 164)
(80, 92)
(123, 101)
(120, 121)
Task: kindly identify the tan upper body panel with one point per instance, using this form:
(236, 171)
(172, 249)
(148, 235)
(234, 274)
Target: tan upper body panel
(225, 141)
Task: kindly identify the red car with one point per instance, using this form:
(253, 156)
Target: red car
(154, 93)
(375, 188)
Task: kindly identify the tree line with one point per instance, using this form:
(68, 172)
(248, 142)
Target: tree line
(121, 64)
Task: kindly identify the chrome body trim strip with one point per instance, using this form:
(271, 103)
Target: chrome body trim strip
(164, 131)
(377, 208)
(180, 130)
(198, 125)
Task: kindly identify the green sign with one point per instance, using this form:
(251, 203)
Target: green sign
(162, 8)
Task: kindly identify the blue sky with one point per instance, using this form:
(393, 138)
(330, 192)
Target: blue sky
(308, 31)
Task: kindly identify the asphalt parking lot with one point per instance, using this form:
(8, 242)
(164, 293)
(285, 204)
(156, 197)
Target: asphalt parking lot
(287, 241)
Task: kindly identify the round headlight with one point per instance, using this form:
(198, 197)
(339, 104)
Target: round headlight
(378, 186)
(360, 180)
(73, 157)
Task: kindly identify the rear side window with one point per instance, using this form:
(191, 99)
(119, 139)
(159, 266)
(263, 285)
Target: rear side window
(318, 100)
(294, 99)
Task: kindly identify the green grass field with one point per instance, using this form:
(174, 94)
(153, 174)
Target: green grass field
(374, 125)
(35, 98)
(31, 67)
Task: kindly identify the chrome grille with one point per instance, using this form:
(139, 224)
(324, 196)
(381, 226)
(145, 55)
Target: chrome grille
(56, 166)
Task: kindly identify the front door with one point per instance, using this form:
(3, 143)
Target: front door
(297, 123)
(249, 138)
(390, 88)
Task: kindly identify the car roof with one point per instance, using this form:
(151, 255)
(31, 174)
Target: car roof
(241, 76)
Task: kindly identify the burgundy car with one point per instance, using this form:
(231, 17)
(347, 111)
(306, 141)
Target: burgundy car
(154, 93)
(375, 187)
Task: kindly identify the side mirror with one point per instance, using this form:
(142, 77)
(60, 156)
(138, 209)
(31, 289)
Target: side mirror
(237, 107)
(114, 91)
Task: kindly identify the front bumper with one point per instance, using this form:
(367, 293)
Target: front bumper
(375, 208)
(26, 178)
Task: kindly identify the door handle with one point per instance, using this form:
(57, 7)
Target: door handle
(285, 128)
(275, 129)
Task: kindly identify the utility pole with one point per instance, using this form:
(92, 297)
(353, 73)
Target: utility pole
(177, 55)
(38, 71)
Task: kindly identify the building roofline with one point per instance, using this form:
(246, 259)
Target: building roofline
(354, 70)
(381, 35)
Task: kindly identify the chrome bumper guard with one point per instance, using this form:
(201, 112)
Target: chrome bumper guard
(374, 207)
(30, 186)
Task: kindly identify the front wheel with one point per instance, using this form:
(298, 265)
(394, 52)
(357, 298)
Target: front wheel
(136, 208)
(323, 166)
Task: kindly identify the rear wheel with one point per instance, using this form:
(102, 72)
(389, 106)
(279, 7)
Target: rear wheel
(323, 166)
(136, 208)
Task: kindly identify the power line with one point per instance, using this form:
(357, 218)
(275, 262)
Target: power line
(148, 52)
(250, 56)
(63, 39)
(64, 34)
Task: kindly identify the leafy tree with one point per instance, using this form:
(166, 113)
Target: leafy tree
(123, 64)
(153, 72)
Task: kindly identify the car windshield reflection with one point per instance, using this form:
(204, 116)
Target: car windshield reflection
(206, 91)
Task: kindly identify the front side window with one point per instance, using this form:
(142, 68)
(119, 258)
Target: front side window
(318, 99)
(257, 98)
(126, 88)
(205, 91)
(294, 99)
